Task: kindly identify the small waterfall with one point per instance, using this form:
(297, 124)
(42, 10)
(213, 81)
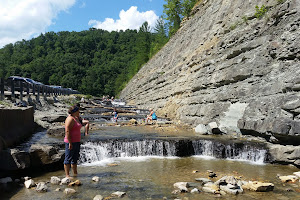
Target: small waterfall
(98, 151)
(236, 151)
(91, 152)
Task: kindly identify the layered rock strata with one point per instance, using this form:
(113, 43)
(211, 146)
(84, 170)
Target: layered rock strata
(230, 63)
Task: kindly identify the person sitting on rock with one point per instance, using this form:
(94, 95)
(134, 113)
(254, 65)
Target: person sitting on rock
(152, 116)
(84, 122)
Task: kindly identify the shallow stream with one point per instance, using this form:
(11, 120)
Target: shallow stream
(144, 176)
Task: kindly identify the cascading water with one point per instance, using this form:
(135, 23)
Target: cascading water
(91, 152)
(98, 151)
(235, 151)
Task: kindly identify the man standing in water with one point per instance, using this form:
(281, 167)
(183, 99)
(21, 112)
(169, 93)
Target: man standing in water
(72, 140)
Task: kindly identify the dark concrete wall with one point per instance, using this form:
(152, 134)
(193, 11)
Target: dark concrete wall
(15, 125)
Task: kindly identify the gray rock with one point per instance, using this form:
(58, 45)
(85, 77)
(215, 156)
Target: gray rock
(230, 189)
(55, 118)
(41, 187)
(297, 174)
(58, 131)
(209, 190)
(226, 180)
(69, 191)
(195, 191)
(201, 129)
(96, 178)
(29, 183)
(65, 181)
(203, 180)
(55, 180)
(284, 153)
(118, 194)
(181, 186)
(45, 154)
(98, 197)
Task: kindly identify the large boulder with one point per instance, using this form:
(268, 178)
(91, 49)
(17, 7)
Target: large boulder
(287, 154)
(45, 154)
(58, 131)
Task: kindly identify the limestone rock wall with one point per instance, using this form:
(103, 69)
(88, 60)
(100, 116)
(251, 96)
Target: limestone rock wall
(225, 65)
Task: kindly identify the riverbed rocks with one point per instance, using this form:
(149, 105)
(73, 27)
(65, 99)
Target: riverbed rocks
(224, 185)
(65, 181)
(98, 197)
(45, 154)
(58, 131)
(75, 183)
(258, 186)
(41, 187)
(203, 180)
(287, 154)
(181, 186)
(29, 183)
(55, 118)
(297, 174)
(96, 179)
(288, 179)
(55, 180)
(69, 191)
(118, 194)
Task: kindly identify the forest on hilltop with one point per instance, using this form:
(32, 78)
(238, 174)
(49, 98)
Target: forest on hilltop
(94, 61)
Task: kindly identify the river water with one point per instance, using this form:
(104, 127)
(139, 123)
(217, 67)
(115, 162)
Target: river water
(145, 165)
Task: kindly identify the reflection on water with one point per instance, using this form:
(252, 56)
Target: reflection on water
(153, 178)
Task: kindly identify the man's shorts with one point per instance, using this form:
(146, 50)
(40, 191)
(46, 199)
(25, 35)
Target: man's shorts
(72, 156)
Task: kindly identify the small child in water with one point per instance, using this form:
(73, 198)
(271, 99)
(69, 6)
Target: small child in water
(116, 115)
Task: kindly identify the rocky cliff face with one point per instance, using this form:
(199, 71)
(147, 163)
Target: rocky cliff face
(227, 66)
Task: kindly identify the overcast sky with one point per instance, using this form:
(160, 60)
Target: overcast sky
(24, 19)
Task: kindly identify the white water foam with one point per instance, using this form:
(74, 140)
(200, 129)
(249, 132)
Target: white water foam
(104, 153)
(108, 161)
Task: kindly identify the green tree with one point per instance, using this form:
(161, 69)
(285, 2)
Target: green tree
(187, 6)
(173, 11)
(160, 37)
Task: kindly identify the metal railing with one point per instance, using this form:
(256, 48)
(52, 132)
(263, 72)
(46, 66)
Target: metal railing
(19, 89)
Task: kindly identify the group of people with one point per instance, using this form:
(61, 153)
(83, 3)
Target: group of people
(72, 138)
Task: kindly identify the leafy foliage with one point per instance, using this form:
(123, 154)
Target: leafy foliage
(260, 11)
(95, 62)
(175, 11)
